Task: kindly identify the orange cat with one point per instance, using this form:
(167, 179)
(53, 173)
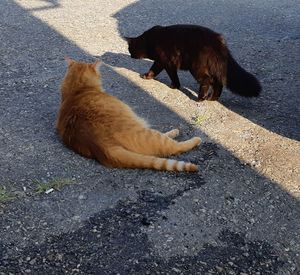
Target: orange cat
(98, 125)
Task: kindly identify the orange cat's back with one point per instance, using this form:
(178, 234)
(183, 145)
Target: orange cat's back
(98, 125)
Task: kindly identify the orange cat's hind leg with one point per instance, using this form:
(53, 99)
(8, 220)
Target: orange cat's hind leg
(123, 158)
(166, 146)
(173, 133)
(187, 145)
(154, 143)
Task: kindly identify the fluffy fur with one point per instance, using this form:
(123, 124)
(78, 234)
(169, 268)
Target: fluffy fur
(98, 125)
(199, 50)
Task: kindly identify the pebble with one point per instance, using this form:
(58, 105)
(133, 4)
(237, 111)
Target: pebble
(176, 270)
(33, 261)
(81, 197)
(219, 269)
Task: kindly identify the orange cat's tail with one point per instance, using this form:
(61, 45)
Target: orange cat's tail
(120, 157)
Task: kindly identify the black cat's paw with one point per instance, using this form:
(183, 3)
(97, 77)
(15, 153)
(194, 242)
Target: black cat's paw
(147, 76)
(174, 86)
(205, 93)
(200, 99)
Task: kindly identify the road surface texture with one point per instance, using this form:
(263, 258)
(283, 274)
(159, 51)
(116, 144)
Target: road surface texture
(239, 215)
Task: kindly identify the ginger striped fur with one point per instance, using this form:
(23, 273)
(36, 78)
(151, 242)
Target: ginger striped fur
(98, 125)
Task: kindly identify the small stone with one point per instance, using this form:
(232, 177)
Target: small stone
(219, 269)
(33, 261)
(176, 270)
(76, 218)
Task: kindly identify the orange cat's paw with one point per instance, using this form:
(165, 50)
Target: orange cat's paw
(173, 133)
(196, 140)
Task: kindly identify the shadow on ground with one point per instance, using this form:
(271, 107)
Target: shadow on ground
(247, 28)
(142, 66)
(226, 218)
(114, 242)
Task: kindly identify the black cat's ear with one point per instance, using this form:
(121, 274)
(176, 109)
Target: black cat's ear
(157, 27)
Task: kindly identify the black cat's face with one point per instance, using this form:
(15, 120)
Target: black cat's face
(136, 47)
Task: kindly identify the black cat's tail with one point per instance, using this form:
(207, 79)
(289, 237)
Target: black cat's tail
(239, 81)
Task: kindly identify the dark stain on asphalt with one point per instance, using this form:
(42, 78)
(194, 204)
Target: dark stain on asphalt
(113, 242)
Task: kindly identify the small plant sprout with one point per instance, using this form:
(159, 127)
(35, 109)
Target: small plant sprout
(48, 187)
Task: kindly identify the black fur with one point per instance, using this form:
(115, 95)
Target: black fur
(199, 50)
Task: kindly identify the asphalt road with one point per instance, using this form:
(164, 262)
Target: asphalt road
(239, 215)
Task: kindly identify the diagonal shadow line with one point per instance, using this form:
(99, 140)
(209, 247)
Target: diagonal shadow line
(33, 105)
(277, 109)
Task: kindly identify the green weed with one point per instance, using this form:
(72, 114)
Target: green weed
(199, 119)
(5, 196)
(56, 184)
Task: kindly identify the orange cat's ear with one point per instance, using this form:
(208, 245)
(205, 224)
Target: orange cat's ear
(97, 64)
(69, 60)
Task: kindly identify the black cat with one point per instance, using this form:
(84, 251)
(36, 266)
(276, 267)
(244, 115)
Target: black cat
(199, 50)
